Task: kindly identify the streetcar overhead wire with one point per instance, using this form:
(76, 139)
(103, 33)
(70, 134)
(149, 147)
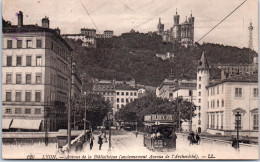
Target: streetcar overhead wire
(221, 21)
(89, 16)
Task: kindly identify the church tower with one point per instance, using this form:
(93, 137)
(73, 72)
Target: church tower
(191, 21)
(202, 94)
(160, 27)
(176, 26)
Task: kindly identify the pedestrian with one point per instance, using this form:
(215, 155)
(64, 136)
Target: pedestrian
(136, 134)
(173, 136)
(79, 145)
(91, 139)
(100, 142)
(234, 143)
(197, 138)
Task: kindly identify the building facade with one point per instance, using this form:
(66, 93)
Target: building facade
(226, 98)
(219, 101)
(36, 72)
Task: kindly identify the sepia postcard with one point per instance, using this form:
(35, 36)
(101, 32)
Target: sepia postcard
(130, 79)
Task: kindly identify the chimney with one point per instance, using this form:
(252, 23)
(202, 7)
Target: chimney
(20, 19)
(45, 22)
(57, 30)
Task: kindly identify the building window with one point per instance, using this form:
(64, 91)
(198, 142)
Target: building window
(38, 78)
(29, 44)
(38, 61)
(122, 105)
(134, 93)
(199, 115)
(18, 111)
(117, 93)
(208, 121)
(255, 124)
(126, 100)
(190, 92)
(9, 61)
(37, 96)
(28, 60)
(217, 121)
(122, 93)
(8, 78)
(217, 103)
(9, 44)
(117, 100)
(255, 92)
(122, 100)
(221, 119)
(18, 96)
(199, 78)
(28, 78)
(8, 111)
(199, 100)
(213, 103)
(27, 96)
(18, 78)
(222, 103)
(199, 93)
(238, 92)
(131, 93)
(27, 111)
(39, 43)
(131, 99)
(199, 86)
(8, 96)
(37, 111)
(126, 93)
(117, 106)
(170, 95)
(19, 43)
(18, 61)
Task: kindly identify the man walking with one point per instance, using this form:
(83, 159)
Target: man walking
(91, 139)
(100, 142)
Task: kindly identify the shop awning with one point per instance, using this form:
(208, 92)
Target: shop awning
(6, 123)
(26, 124)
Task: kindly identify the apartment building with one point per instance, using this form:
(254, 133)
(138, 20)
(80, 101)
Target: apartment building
(36, 73)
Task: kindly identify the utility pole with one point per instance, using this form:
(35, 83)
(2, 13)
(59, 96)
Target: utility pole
(179, 118)
(85, 111)
(46, 122)
(191, 113)
(69, 110)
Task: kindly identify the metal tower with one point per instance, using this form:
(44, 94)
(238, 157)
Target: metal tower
(250, 43)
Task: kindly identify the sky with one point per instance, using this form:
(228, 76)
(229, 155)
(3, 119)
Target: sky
(123, 15)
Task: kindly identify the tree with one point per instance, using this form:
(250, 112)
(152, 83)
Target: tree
(150, 104)
(96, 107)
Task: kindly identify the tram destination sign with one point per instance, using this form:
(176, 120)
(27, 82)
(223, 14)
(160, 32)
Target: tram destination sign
(158, 117)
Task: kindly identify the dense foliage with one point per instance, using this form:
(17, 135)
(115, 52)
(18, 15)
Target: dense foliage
(96, 107)
(133, 55)
(150, 104)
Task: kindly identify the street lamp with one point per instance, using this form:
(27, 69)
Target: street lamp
(238, 119)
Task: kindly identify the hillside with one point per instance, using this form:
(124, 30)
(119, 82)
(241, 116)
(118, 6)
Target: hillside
(132, 55)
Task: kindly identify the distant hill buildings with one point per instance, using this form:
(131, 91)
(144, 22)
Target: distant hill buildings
(89, 36)
(181, 32)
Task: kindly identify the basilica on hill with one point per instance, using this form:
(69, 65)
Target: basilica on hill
(181, 32)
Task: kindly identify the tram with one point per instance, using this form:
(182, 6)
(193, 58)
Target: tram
(160, 132)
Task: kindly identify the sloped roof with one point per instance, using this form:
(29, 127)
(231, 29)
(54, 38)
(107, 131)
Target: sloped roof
(249, 78)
